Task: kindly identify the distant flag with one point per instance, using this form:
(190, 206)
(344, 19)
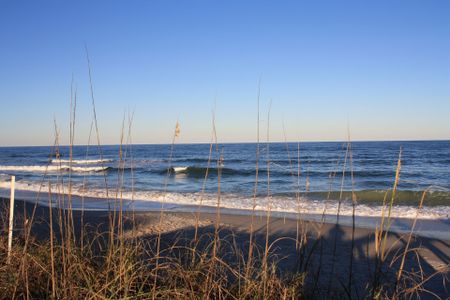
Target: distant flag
(177, 130)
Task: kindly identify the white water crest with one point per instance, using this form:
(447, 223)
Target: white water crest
(52, 168)
(303, 206)
(81, 161)
(179, 169)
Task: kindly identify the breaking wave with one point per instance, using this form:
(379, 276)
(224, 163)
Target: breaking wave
(81, 161)
(52, 168)
(304, 205)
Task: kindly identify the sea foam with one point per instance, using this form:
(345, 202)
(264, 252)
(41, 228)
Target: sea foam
(81, 161)
(52, 168)
(283, 204)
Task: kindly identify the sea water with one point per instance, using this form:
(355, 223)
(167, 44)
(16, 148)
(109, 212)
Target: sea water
(330, 181)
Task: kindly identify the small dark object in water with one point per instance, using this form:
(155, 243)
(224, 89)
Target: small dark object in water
(57, 154)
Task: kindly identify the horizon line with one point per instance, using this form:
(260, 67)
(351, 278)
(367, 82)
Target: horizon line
(245, 142)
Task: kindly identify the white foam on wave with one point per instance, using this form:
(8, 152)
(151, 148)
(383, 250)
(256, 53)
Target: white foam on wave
(81, 161)
(277, 204)
(88, 169)
(5, 177)
(51, 168)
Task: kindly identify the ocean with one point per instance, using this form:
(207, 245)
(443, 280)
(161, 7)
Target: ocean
(314, 180)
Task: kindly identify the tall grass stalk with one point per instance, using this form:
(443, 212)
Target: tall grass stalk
(255, 189)
(269, 206)
(94, 111)
(161, 216)
(391, 203)
(354, 199)
(62, 220)
(333, 262)
(405, 251)
(129, 155)
(84, 188)
(210, 277)
(52, 247)
(383, 231)
(296, 177)
(205, 178)
(331, 180)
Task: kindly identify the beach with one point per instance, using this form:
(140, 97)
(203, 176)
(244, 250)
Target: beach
(320, 259)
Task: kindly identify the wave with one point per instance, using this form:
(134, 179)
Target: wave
(303, 205)
(196, 171)
(179, 169)
(52, 168)
(201, 171)
(17, 155)
(376, 197)
(197, 160)
(88, 169)
(81, 161)
(5, 177)
(276, 171)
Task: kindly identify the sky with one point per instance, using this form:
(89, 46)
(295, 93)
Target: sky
(374, 70)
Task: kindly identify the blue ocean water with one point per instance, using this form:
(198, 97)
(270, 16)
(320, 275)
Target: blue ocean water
(308, 178)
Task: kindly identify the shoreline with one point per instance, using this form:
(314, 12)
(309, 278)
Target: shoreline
(178, 226)
(431, 228)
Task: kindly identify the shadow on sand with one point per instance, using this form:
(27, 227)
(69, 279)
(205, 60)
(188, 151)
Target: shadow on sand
(336, 265)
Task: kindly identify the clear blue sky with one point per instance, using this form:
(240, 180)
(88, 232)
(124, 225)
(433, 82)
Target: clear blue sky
(383, 67)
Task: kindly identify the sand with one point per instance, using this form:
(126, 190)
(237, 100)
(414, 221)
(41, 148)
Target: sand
(324, 259)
